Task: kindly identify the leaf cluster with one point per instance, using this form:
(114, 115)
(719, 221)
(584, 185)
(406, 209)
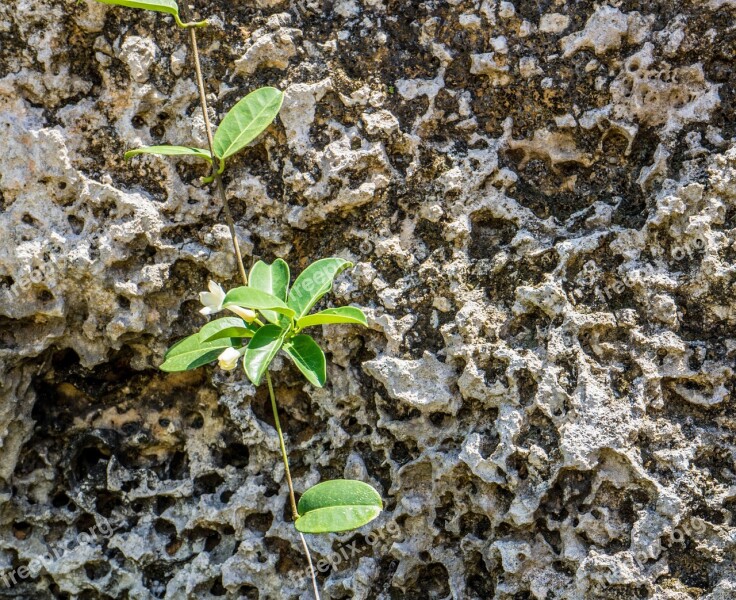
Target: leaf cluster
(280, 314)
(245, 121)
(284, 314)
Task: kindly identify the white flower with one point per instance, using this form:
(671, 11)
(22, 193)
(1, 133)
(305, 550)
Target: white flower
(213, 299)
(229, 359)
(244, 313)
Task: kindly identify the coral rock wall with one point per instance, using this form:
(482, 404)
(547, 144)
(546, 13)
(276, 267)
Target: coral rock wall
(540, 200)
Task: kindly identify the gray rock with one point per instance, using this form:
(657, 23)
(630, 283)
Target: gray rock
(541, 206)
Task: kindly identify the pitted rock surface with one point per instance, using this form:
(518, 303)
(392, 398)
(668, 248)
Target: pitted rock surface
(540, 201)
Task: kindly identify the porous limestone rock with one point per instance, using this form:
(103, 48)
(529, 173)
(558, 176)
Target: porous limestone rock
(540, 202)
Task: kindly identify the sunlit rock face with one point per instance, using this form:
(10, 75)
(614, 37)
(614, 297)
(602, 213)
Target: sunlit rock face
(540, 201)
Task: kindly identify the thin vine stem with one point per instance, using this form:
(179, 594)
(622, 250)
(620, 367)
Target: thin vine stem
(211, 143)
(284, 456)
(311, 566)
(292, 497)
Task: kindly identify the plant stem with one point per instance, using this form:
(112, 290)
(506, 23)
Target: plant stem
(311, 566)
(210, 141)
(294, 511)
(183, 25)
(292, 498)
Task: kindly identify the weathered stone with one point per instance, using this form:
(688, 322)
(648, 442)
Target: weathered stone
(541, 205)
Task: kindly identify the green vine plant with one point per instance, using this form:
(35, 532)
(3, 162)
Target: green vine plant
(270, 314)
(271, 318)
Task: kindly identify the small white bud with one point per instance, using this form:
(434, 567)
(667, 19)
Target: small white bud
(229, 358)
(246, 314)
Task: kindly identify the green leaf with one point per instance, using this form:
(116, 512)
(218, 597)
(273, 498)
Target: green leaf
(191, 353)
(170, 151)
(247, 120)
(308, 356)
(249, 297)
(313, 283)
(272, 279)
(260, 351)
(344, 314)
(165, 6)
(227, 327)
(338, 505)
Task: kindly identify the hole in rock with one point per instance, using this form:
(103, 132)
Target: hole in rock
(194, 420)
(235, 454)
(259, 522)
(207, 484)
(21, 530)
(248, 592)
(60, 500)
(217, 588)
(163, 503)
(97, 570)
(76, 224)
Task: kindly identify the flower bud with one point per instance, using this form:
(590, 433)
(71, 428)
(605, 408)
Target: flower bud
(246, 314)
(229, 358)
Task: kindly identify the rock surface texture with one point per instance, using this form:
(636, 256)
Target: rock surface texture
(540, 200)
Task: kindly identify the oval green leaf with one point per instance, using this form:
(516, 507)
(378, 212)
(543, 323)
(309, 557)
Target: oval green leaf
(313, 283)
(227, 327)
(338, 505)
(170, 151)
(260, 351)
(272, 279)
(249, 297)
(165, 6)
(191, 353)
(344, 314)
(247, 120)
(308, 357)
